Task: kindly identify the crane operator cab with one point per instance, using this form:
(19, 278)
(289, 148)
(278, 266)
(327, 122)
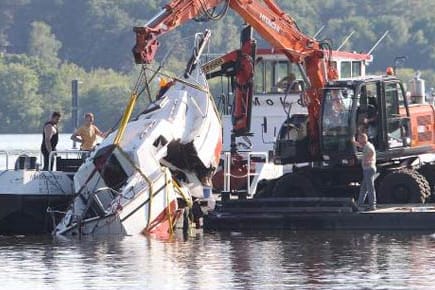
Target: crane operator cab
(376, 106)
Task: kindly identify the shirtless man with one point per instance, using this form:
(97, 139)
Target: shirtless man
(87, 133)
(368, 163)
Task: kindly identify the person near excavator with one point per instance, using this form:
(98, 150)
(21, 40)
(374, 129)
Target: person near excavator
(368, 163)
(289, 84)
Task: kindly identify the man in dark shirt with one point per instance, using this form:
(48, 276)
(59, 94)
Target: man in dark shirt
(50, 138)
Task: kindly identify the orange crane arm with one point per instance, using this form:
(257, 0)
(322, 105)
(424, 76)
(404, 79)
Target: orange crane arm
(273, 24)
(240, 66)
(174, 14)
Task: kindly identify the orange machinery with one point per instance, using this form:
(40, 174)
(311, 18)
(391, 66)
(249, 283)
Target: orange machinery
(273, 24)
(404, 136)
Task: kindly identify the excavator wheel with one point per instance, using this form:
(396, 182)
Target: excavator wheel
(428, 171)
(265, 188)
(403, 186)
(294, 185)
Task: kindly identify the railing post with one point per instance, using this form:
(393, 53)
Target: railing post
(7, 157)
(249, 174)
(227, 172)
(66, 152)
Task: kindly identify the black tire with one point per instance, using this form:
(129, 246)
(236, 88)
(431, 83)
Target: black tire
(428, 171)
(294, 185)
(265, 188)
(403, 186)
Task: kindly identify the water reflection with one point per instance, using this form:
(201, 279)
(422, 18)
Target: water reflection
(231, 260)
(324, 260)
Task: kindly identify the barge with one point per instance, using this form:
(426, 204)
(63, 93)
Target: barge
(317, 213)
(32, 201)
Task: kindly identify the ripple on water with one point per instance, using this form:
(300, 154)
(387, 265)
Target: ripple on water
(233, 260)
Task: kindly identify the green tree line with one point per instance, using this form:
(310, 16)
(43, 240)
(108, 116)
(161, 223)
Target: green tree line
(45, 44)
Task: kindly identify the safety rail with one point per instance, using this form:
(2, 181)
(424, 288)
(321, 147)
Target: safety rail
(32, 159)
(252, 186)
(6, 154)
(19, 156)
(251, 183)
(79, 154)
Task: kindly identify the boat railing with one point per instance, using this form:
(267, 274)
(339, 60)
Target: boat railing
(63, 160)
(252, 173)
(6, 154)
(19, 157)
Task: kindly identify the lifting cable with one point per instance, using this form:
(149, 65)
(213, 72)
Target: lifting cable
(146, 178)
(168, 204)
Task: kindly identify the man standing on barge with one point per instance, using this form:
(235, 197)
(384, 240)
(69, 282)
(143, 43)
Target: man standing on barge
(50, 138)
(368, 162)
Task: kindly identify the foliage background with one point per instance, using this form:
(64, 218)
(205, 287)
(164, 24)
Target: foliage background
(45, 44)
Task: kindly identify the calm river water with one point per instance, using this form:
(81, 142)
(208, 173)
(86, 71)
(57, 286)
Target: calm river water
(227, 260)
(260, 260)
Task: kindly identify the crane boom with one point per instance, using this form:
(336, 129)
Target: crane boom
(273, 24)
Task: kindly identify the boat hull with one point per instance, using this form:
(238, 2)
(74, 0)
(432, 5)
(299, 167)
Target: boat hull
(27, 213)
(118, 224)
(32, 202)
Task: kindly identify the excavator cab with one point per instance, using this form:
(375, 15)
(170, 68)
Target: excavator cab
(375, 106)
(336, 122)
(292, 144)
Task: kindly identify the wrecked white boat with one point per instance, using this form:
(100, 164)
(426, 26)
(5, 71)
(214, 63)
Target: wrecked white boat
(141, 176)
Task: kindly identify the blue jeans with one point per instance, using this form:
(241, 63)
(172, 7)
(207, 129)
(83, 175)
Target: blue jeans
(367, 188)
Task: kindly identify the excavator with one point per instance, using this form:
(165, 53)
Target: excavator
(326, 161)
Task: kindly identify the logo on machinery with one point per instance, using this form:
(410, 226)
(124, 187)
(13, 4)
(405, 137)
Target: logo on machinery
(258, 101)
(269, 22)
